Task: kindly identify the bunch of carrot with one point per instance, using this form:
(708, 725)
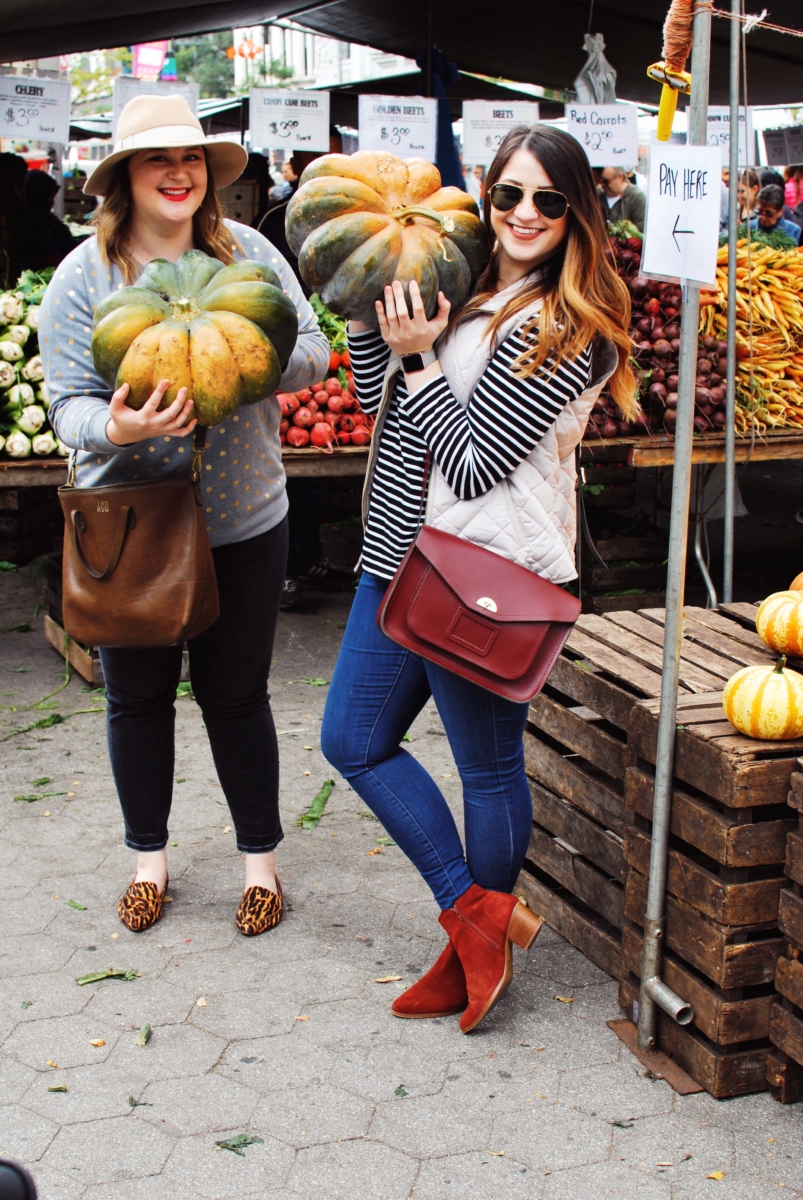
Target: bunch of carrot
(769, 334)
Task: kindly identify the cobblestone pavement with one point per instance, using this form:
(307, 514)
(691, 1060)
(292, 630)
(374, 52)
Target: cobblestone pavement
(289, 1036)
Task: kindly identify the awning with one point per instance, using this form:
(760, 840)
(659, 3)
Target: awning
(541, 42)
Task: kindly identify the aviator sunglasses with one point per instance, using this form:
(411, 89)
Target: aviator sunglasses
(507, 196)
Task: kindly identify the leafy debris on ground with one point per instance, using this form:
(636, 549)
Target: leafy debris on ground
(312, 816)
(144, 1035)
(109, 973)
(236, 1144)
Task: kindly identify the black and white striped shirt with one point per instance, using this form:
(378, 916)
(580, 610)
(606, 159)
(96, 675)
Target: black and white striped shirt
(475, 447)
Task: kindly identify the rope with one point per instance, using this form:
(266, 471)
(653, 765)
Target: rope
(678, 34)
(754, 21)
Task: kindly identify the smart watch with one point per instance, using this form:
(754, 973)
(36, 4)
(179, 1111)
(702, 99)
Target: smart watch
(417, 361)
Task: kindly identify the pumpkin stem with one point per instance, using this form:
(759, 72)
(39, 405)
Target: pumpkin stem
(406, 215)
(779, 666)
(185, 308)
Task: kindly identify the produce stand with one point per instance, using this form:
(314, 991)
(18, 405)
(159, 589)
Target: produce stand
(659, 450)
(590, 753)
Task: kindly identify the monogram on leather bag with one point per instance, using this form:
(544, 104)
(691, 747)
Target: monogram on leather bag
(138, 568)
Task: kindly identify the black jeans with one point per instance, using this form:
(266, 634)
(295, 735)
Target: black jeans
(229, 668)
(307, 498)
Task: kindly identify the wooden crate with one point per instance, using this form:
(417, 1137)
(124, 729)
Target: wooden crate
(86, 659)
(722, 1071)
(587, 795)
(785, 1065)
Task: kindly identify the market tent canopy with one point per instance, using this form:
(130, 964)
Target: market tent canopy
(541, 44)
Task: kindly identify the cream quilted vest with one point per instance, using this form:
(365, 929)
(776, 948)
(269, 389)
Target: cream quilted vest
(529, 517)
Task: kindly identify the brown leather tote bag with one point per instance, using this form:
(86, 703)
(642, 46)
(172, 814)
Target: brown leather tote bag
(477, 614)
(138, 568)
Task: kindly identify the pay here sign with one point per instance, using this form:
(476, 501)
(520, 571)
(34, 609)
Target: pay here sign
(683, 205)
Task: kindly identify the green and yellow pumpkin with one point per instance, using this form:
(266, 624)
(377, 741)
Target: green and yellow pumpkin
(359, 221)
(224, 333)
(765, 702)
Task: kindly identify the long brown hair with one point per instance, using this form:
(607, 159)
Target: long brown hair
(583, 297)
(113, 223)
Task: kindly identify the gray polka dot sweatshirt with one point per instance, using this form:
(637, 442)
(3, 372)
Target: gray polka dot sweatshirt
(243, 479)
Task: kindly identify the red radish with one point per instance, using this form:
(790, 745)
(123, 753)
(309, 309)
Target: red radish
(312, 405)
(343, 439)
(318, 418)
(282, 439)
(360, 436)
(284, 425)
(303, 396)
(297, 437)
(334, 360)
(346, 423)
(303, 418)
(359, 419)
(322, 435)
(349, 399)
(345, 359)
(320, 397)
(288, 403)
(333, 387)
(336, 404)
(333, 420)
(316, 387)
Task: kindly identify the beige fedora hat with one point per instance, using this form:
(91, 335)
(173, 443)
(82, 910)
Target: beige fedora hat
(159, 122)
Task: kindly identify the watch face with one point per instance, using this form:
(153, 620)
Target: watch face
(412, 362)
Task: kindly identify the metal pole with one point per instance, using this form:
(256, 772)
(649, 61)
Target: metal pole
(733, 221)
(651, 995)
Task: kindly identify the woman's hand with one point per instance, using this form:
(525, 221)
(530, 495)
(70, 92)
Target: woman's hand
(128, 425)
(405, 334)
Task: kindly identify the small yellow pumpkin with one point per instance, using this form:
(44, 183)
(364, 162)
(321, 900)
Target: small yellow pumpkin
(765, 702)
(779, 622)
(797, 583)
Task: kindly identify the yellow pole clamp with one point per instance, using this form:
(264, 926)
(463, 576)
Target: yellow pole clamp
(673, 83)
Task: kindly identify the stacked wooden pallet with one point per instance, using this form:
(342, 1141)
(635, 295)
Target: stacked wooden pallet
(590, 755)
(576, 753)
(785, 1062)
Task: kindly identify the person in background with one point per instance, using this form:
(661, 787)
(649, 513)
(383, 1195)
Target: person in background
(793, 186)
(775, 177)
(307, 496)
(625, 201)
(41, 190)
(748, 189)
(769, 214)
(24, 241)
(475, 184)
(726, 176)
(283, 191)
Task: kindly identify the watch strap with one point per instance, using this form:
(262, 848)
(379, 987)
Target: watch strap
(417, 361)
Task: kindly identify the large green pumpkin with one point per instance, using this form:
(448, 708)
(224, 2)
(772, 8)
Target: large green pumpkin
(359, 221)
(224, 333)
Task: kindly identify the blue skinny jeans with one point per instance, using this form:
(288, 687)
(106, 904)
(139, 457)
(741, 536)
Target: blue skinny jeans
(377, 690)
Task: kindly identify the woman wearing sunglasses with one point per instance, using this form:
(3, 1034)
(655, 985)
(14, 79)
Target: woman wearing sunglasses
(496, 397)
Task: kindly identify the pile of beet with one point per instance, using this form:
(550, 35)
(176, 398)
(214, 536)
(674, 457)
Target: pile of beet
(655, 330)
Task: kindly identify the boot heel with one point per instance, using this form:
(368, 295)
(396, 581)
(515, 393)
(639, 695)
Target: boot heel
(524, 926)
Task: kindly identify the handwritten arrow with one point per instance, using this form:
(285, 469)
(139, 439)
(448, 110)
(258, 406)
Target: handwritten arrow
(676, 231)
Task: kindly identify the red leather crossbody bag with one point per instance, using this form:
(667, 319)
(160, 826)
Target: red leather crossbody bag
(477, 614)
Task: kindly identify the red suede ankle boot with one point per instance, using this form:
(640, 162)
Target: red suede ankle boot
(481, 926)
(440, 993)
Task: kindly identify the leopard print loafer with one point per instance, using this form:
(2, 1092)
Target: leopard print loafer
(260, 910)
(140, 905)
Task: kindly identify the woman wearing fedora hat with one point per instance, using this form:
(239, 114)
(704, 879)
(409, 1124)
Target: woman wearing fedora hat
(159, 200)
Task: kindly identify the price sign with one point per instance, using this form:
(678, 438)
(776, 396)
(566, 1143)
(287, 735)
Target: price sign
(719, 133)
(126, 87)
(32, 108)
(607, 132)
(406, 126)
(682, 232)
(794, 143)
(285, 120)
(775, 146)
(486, 124)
